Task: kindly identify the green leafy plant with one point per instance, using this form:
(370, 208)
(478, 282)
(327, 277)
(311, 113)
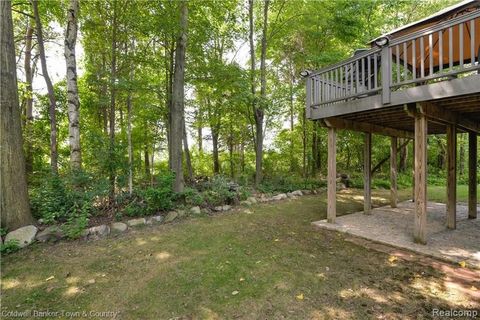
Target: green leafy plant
(77, 222)
(9, 246)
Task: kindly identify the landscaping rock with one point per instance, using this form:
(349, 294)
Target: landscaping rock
(252, 200)
(195, 210)
(280, 196)
(219, 208)
(245, 203)
(226, 207)
(118, 227)
(98, 231)
(172, 215)
(157, 219)
(136, 222)
(181, 213)
(297, 193)
(24, 235)
(52, 233)
(341, 186)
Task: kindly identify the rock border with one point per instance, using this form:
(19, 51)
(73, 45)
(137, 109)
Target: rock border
(26, 235)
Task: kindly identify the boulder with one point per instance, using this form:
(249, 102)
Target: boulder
(195, 210)
(245, 203)
(341, 186)
(297, 193)
(219, 208)
(279, 196)
(118, 227)
(181, 213)
(24, 235)
(98, 231)
(136, 222)
(252, 200)
(226, 207)
(172, 215)
(52, 233)
(156, 219)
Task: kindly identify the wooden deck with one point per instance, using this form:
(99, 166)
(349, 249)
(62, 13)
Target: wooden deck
(412, 84)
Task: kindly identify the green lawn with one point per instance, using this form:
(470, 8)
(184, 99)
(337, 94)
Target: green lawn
(439, 193)
(255, 263)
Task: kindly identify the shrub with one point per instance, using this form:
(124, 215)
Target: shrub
(160, 197)
(9, 246)
(50, 201)
(192, 197)
(219, 192)
(77, 222)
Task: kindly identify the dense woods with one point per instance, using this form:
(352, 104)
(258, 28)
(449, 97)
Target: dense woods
(179, 102)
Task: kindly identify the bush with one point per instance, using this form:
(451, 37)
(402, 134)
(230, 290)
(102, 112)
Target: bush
(50, 201)
(192, 197)
(219, 192)
(289, 184)
(9, 246)
(161, 197)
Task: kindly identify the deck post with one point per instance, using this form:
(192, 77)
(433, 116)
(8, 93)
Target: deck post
(419, 231)
(451, 176)
(393, 172)
(413, 171)
(472, 175)
(332, 176)
(367, 173)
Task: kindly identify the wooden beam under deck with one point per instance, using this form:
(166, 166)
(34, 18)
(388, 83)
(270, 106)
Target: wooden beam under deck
(472, 175)
(367, 174)
(332, 176)
(442, 115)
(393, 172)
(365, 127)
(420, 225)
(451, 177)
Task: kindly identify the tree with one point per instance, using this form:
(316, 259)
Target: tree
(51, 94)
(29, 95)
(14, 204)
(72, 87)
(177, 106)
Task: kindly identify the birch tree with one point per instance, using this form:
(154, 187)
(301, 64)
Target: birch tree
(72, 87)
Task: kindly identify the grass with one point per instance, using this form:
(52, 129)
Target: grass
(438, 193)
(254, 263)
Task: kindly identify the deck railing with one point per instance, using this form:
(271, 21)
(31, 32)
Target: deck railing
(437, 53)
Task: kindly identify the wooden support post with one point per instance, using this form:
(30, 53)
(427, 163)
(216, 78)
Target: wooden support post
(451, 176)
(332, 176)
(413, 171)
(367, 175)
(393, 172)
(420, 226)
(472, 175)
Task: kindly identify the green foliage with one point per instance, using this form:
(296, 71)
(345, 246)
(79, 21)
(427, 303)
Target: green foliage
(192, 197)
(9, 246)
(161, 197)
(289, 184)
(219, 191)
(77, 222)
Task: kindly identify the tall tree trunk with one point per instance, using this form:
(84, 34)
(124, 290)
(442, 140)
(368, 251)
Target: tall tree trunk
(188, 160)
(199, 131)
(72, 88)
(259, 109)
(104, 91)
(29, 98)
(230, 152)
(177, 108)
(113, 75)
(51, 93)
(216, 161)
(146, 158)
(14, 206)
(129, 140)
(292, 145)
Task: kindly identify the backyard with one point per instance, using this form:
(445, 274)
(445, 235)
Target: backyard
(264, 261)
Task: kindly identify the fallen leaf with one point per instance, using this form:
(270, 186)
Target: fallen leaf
(234, 293)
(300, 296)
(50, 278)
(473, 288)
(276, 240)
(392, 259)
(242, 279)
(462, 264)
